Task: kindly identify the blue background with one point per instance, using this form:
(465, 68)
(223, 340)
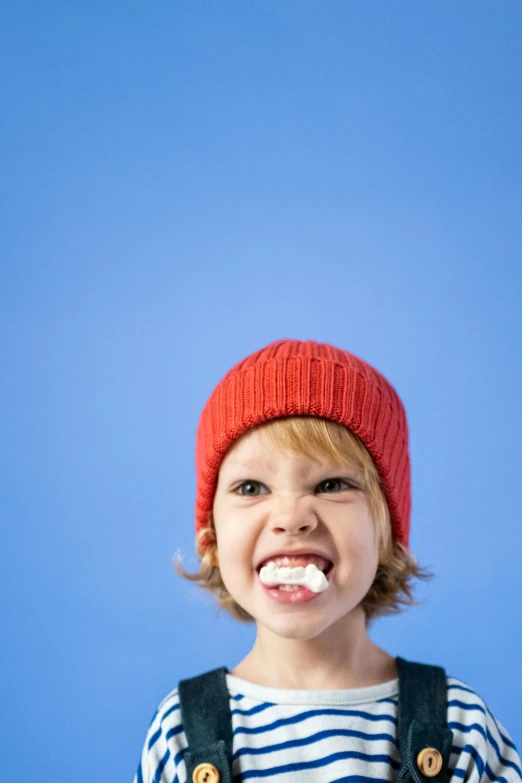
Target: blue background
(183, 183)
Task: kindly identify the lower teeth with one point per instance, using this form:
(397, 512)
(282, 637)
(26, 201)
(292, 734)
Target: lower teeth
(289, 588)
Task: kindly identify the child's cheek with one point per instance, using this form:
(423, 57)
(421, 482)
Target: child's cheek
(236, 572)
(359, 564)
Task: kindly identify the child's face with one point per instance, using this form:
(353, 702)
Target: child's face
(287, 504)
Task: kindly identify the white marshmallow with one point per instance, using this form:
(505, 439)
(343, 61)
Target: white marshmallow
(311, 577)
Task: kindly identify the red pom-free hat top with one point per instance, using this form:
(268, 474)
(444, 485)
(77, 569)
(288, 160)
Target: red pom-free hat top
(293, 378)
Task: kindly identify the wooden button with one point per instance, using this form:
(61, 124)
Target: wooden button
(205, 773)
(429, 761)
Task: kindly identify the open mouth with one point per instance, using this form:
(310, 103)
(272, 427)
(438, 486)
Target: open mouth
(326, 566)
(309, 582)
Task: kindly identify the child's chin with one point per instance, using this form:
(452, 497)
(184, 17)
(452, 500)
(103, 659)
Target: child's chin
(298, 628)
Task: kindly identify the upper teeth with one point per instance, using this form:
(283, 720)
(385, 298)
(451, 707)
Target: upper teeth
(310, 576)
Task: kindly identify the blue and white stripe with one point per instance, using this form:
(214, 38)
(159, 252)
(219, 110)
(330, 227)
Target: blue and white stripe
(338, 736)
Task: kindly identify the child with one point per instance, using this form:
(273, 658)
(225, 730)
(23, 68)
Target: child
(302, 524)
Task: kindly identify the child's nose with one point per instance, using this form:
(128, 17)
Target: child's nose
(292, 515)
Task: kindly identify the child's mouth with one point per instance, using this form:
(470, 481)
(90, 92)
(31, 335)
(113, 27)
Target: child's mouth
(294, 594)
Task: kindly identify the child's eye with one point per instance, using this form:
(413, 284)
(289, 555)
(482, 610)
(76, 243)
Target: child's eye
(335, 481)
(250, 485)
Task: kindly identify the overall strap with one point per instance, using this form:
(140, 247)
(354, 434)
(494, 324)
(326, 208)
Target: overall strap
(207, 724)
(424, 738)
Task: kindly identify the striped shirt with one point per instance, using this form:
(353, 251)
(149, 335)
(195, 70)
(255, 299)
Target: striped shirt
(347, 736)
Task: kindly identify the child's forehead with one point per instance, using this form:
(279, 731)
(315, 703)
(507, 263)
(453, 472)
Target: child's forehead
(255, 445)
(257, 449)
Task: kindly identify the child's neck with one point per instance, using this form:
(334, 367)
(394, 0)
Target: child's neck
(333, 661)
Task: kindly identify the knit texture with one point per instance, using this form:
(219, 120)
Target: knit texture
(295, 378)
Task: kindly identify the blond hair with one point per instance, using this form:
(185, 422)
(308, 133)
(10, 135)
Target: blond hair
(325, 440)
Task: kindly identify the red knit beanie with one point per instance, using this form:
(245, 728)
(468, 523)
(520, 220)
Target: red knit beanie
(292, 378)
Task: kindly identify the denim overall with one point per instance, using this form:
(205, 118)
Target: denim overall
(207, 721)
